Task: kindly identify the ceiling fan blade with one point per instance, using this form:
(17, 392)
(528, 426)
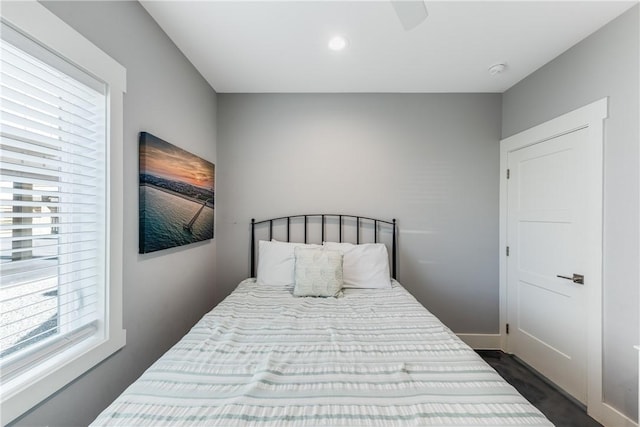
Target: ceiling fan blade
(410, 12)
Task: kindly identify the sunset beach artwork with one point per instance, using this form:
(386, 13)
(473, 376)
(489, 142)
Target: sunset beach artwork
(176, 196)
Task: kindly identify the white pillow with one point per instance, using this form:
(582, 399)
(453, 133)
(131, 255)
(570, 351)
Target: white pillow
(276, 262)
(318, 273)
(364, 266)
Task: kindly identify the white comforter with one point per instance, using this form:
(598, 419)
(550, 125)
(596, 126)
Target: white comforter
(372, 357)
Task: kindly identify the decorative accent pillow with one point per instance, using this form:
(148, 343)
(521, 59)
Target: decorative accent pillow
(364, 266)
(276, 262)
(318, 273)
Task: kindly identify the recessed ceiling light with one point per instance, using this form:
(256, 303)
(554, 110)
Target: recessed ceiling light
(337, 43)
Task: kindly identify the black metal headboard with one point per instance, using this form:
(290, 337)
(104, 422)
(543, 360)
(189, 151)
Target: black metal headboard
(336, 222)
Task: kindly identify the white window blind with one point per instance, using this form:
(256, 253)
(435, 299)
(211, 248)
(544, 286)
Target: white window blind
(53, 204)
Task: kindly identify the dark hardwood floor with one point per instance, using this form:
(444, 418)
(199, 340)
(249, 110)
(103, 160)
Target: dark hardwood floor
(559, 409)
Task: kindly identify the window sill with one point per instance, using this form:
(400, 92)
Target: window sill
(30, 388)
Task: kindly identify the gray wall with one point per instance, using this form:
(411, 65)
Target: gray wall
(605, 64)
(429, 160)
(165, 293)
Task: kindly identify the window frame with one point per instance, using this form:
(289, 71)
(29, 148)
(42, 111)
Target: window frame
(27, 390)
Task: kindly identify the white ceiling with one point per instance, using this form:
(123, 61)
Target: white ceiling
(281, 46)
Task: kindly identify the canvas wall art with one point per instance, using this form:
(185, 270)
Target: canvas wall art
(176, 195)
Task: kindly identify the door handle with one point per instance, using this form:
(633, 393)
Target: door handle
(576, 278)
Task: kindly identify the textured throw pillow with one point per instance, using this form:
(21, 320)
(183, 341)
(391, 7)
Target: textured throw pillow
(276, 262)
(364, 266)
(318, 273)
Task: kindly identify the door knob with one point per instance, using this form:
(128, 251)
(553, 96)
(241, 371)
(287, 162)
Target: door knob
(576, 278)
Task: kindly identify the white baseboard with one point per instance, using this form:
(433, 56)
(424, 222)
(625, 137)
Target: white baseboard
(608, 416)
(481, 341)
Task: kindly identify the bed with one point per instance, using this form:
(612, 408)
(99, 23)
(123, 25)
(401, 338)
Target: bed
(366, 356)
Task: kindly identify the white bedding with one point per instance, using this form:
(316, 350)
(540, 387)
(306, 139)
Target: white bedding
(372, 357)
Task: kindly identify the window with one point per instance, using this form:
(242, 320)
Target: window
(60, 211)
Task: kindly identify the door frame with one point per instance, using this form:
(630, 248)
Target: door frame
(591, 117)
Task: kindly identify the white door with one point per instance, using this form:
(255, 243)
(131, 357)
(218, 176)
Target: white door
(546, 233)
